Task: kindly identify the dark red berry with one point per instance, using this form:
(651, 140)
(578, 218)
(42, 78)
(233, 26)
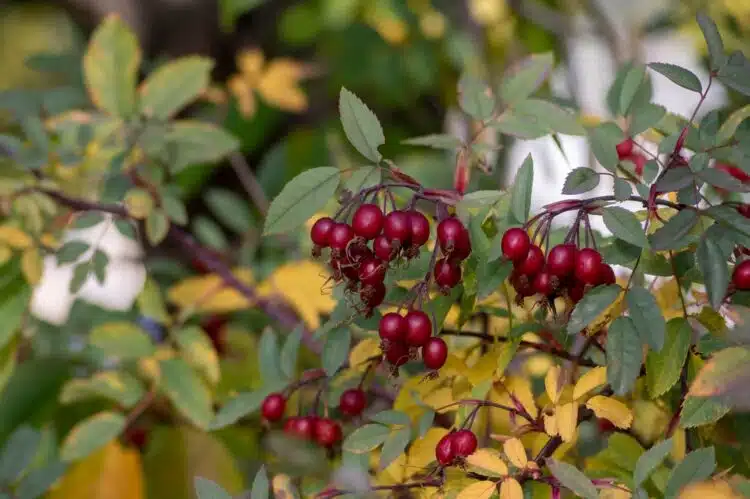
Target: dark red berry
(448, 233)
(639, 160)
(300, 427)
(444, 452)
(462, 248)
(358, 251)
(340, 236)
(420, 228)
(372, 271)
(392, 327)
(367, 221)
(397, 227)
(741, 276)
(577, 291)
(624, 148)
(273, 407)
(418, 328)
(561, 260)
(434, 353)
(606, 275)
(464, 443)
(353, 402)
(744, 210)
(343, 267)
(533, 262)
(522, 283)
(588, 263)
(447, 273)
(372, 295)
(515, 244)
(544, 283)
(383, 248)
(321, 231)
(397, 354)
(327, 432)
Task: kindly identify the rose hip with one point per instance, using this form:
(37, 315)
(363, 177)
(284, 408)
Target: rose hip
(515, 244)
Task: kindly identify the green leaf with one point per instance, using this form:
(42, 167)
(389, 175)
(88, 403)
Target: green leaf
(730, 125)
(39, 480)
(362, 178)
(712, 262)
(230, 209)
(123, 340)
(716, 54)
(572, 478)
(80, 275)
(520, 195)
(300, 199)
(174, 208)
(714, 176)
(551, 117)
(99, 263)
(209, 233)
(646, 116)
(361, 126)
(436, 141)
(366, 438)
(13, 304)
(91, 434)
(157, 226)
(650, 460)
(196, 142)
(493, 274)
(18, 453)
(663, 368)
(698, 411)
(173, 86)
(526, 77)
(724, 373)
(591, 306)
(672, 235)
(110, 67)
(631, 84)
(394, 446)
(336, 350)
(71, 252)
(118, 386)
(679, 75)
(125, 228)
(729, 216)
(260, 485)
(186, 390)
(197, 350)
(736, 73)
(88, 219)
(289, 352)
(623, 224)
(391, 417)
(623, 190)
(697, 466)
(519, 126)
(425, 422)
(647, 317)
(268, 357)
(604, 139)
(475, 97)
(237, 408)
(624, 355)
(580, 180)
(207, 489)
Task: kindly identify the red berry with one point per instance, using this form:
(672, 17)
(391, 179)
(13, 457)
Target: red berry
(372, 295)
(447, 273)
(744, 210)
(397, 354)
(444, 452)
(515, 244)
(449, 232)
(353, 402)
(561, 260)
(734, 171)
(639, 160)
(367, 221)
(605, 425)
(522, 283)
(588, 263)
(464, 443)
(420, 228)
(372, 271)
(358, 251)
(327, 432)
(606, 275)
(544, 283)
(741, 276)
(321, 231)
(418, 328)
(344, 267)
(340, 236)
(577, 291)
(625, 148)
(397, 227)
(383, 248)
(300, 427)
(434, 353)
(533, 262)
(273, 407)
(392, 327)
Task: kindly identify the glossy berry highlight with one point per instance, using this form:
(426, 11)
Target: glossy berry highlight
(392, 327)
(352, 402)
(741, 276)
(515, 244)
(327, 432)
(273, 407)
(447, 273)
(367, 221)
(464, 443)
(418, 328)
(588, 266)
(434, 353)
(321, 231)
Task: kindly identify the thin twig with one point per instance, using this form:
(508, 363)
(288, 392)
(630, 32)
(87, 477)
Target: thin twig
(249, 182)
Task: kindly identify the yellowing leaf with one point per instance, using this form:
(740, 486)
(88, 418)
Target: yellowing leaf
(244, 95)
(567, 421)
(279, 85)
(613, 410)
(364, 350)
(488, 460)
(593, 379)
(521, 390)
(550, 425)
(552, 383)
(14, 237)
(5, 254)
(422, 450)
(440, 398)
(515, 452)
(511, 489)
(208, 293)
(250, 63)
(454, 366)
(282, 486)
(32, 265)
(485, 368)
(478, 490)
(714, 489)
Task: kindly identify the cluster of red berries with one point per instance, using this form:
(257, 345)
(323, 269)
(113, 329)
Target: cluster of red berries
(625, 153)
(565, 268)
(454, 447)
(401, 336)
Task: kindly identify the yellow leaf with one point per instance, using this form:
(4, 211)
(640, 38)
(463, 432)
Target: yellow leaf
(511, 489)
(5, 254)
(567, 421)
(395, 472)
(521, 389)
(679, 445)
(552, 383)
(613, 410)
(550, 425)
(208, 293)
(714, 489)
(14, 237)
(279, 85)
(488, 460)
(422, 450)
(515, 452)
(454, 366)
(616, 494)
(593, 379)
(485, 368)
(250, 63)
(362, 352)
(139, 203)
(440, 398)
(283, 487)
(32, 265)
(478, 490)
(110, 473)
(244, 95)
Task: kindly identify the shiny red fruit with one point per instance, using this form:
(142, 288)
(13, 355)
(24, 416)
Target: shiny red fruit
(561, 260)
(544, 283)
(434, 353)
(352, 402)
(397, 227)
(340, 236)
(588, 264)
(606, 275)
(392, 327)
(453, 238)
(372, 295)
(371, 271)
(419, 227)
(367, 221)
(444, 452)
(741, 276)
(397, 354)
(327, 432)
(464, 443)
(447, 273)
(522, 283)
(577, 291)
(383, 248)
(321, 231)
(300, 427)
(533, 263)
(418, 328)
(515, 244)
(273, 407)
(625, 148)
(462, 249)
(744, 210)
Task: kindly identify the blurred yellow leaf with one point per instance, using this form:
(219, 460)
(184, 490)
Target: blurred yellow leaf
(208, 293)
(486, 12)
(515, 452)
(139, 203)
(14, 237)
(478, 490)
(5, 254)
(488, 460)
(567, 421)
(454, 366)
(440, 398)
(593, 379)
(422, 450)
(199, 352)
(550, 425)
(715, 489)
(613, 410)
(615, 494)
(485, 367)
(394, 473)
(362, 351)
(552, 383)
(511, 489)
(32, 265)
(283, 487)
(113, 472)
